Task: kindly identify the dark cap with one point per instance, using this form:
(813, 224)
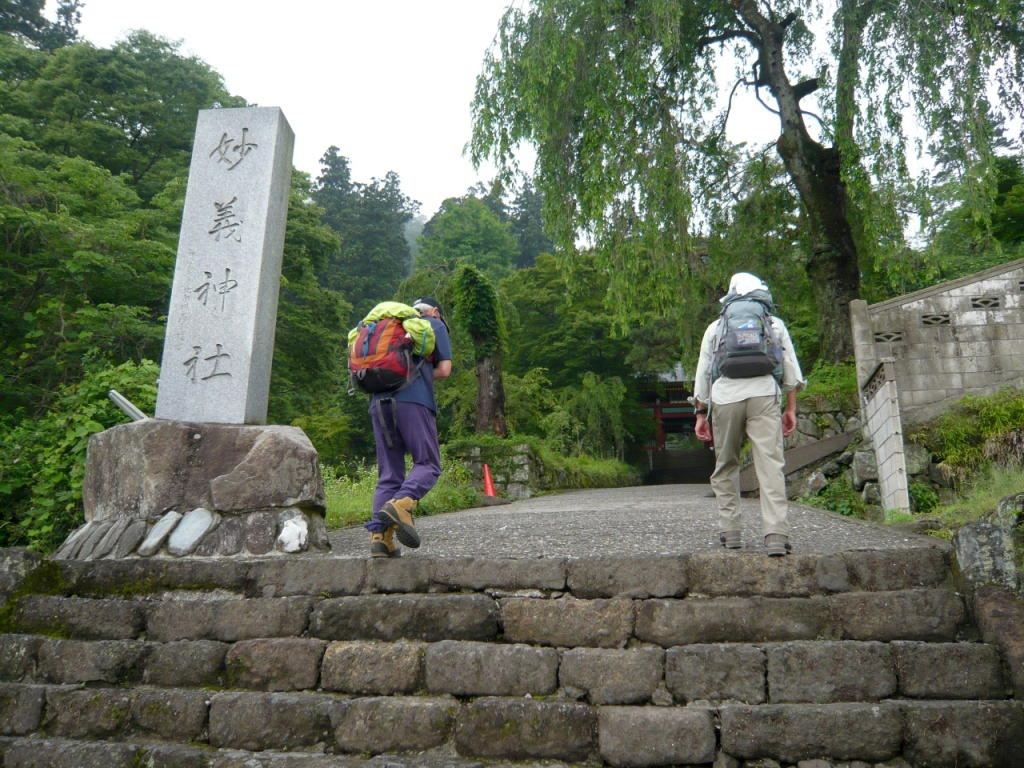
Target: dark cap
(427, 302)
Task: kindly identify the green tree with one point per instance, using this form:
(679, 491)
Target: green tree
(84, 273)
(468, 230)
(590, 420)
(567, 334)
(526, 215)
(963, 243)
(626, 103)
(309, 370)
(130, 108)
(528, 400)
(24, 19)
(371, 221)
(476, 305)
(563, 351)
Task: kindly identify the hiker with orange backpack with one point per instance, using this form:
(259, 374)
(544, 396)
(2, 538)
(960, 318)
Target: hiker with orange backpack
(397, 359)
(747, 367)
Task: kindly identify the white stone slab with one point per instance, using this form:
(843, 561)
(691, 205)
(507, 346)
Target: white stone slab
(152, 543)
(220, 330)
(190, 531)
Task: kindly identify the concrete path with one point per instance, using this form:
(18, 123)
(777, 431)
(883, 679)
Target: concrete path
(647, 520)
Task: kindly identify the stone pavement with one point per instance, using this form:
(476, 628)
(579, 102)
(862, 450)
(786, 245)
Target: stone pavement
(645, 520)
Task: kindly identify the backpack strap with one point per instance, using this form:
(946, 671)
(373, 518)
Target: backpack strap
(715, 373)
(393, 405)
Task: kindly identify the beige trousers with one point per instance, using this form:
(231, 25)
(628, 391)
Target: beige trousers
(760, 420)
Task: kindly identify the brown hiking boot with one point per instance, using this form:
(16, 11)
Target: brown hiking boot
(382, 544)
(399, 512)
(777, 545)
(731, 539)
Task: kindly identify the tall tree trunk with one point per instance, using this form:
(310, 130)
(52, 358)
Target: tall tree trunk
(832, 264)
(816, 171)
(490, 398)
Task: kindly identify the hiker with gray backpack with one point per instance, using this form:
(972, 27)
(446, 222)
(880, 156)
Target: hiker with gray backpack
(747, 367)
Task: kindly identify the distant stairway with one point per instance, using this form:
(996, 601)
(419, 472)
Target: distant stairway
(729, 659)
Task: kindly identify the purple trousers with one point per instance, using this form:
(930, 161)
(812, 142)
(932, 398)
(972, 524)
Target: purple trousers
(411, 428)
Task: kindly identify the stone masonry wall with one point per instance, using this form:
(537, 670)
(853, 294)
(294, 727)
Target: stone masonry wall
(321, 662)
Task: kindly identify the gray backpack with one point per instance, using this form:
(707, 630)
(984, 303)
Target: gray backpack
(746, 343)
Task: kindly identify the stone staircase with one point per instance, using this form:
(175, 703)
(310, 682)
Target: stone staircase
(858, 659)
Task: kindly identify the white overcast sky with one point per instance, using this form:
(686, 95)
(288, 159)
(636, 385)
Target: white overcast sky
(388, 82)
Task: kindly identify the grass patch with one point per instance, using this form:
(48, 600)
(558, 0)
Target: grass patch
(896, 516)
(349, 498)
(834, 383)
(838, 496)
(981, 496)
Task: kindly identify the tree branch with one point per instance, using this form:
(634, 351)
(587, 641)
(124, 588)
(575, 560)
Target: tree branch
(728, 108)
(705, 41)
(806, 88)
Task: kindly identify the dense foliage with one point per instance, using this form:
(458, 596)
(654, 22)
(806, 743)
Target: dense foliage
(94, 153)
(467, 230)
(626, 103)
(373, 255)
(24, 20)
(978, 432)
(476, 302)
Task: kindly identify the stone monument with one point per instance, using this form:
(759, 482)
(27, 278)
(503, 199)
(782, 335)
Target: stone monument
(205, 477)
(220, 329)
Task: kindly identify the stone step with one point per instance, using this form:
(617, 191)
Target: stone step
(111, 728)
(926, 614)
(711, 574)
(317, 662)
(781, 673)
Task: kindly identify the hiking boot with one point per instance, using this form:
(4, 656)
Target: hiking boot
(382, 544)
(731, 539)
(399, 513)
(777, 545)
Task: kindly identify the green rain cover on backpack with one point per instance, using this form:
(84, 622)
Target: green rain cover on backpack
(382, 347)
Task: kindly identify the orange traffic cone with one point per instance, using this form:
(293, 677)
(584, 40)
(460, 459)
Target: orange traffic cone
(488, 483)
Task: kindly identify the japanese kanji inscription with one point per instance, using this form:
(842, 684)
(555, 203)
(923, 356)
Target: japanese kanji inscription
(220, 330)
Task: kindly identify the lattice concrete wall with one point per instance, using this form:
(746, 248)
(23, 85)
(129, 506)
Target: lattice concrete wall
(964, 336)
(880, 403)
(919, 353)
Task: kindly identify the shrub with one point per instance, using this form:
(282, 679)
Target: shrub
(42, 462)
(923, 498)
(835, 383)
(977, 431)
(839, 496)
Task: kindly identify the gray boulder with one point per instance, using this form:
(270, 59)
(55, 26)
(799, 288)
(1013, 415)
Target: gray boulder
(143, 469)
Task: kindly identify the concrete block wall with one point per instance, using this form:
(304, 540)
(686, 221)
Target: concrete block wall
(961, 337)
(917, 354)
(882, 418)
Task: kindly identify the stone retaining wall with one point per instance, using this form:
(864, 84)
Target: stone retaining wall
(731, 659)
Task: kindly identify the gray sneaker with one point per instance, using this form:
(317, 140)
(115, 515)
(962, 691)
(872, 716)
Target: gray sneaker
(777, 545)
(731, 539)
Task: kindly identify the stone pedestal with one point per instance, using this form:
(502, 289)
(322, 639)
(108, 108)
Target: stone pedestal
(177, 488)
